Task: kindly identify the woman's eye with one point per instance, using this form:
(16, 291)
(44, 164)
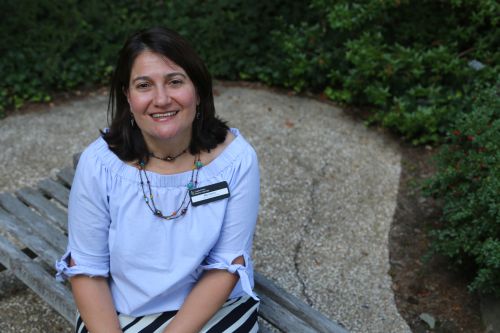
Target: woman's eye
(176, 82)
(142, 85)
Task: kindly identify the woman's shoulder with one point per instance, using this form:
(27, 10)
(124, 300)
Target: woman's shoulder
(97, 155)
(97, 150)
(233, 154)
(235, 146)
(212, 154)
(241, 146)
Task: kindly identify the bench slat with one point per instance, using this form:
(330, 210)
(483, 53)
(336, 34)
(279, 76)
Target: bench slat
(281, 317)
(54, 190)
(23, 213)
(296, 306)
(46, 208)
(262, 328)
(76, 158)
(66, 176)
(34, 276)
(38, 245)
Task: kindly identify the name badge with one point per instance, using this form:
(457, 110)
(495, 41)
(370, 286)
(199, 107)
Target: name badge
(209, 193)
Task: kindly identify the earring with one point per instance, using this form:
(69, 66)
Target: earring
(132, 121)
(198, 112)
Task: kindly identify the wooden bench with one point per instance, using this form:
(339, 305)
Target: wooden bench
(33, 235)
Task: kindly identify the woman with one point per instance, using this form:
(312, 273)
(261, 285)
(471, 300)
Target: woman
(163, 206)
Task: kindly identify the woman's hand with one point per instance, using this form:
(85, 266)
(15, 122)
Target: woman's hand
(206, 298)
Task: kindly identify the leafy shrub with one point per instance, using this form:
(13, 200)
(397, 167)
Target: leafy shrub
(468, 183)
(408, 60)
(232, 35)
(50, 46)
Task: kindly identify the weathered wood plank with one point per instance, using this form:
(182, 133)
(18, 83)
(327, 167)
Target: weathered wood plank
(36, 244)
(76, 158)
(33, 221)
(54, 190)
(46, 208)
(265, 329)
(34, 276)
(281, 317)
(296, 306)
(66, 176)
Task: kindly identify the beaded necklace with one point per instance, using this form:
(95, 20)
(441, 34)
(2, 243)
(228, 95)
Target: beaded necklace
(168, 158)
(181, 211)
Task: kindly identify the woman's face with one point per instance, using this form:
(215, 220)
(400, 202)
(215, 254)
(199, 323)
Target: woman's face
(162, 99)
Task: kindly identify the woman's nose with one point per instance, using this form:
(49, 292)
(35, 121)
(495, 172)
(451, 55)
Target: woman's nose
(161, 97)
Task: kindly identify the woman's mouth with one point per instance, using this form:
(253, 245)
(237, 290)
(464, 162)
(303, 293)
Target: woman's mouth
(164, 115)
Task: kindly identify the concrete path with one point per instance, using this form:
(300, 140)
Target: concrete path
(329, 189)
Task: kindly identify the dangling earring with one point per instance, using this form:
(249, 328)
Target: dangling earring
(198, 113)
(132, 121)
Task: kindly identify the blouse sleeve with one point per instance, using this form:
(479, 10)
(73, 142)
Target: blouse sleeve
(238, 227)
(88, 222)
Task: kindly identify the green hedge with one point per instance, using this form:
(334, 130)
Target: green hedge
(49, 46)
(406, 60)
(411, 64)
(468, 183)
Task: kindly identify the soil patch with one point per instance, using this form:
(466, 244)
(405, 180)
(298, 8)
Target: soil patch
(425, 287)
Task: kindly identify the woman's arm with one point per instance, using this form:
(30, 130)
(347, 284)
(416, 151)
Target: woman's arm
(235, 240)
(206, 298)
(94, 302)
(88, 250)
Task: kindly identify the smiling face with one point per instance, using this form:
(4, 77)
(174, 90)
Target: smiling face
(163, 101)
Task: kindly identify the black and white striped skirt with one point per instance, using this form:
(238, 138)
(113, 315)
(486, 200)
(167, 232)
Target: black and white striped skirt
(236, 315)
